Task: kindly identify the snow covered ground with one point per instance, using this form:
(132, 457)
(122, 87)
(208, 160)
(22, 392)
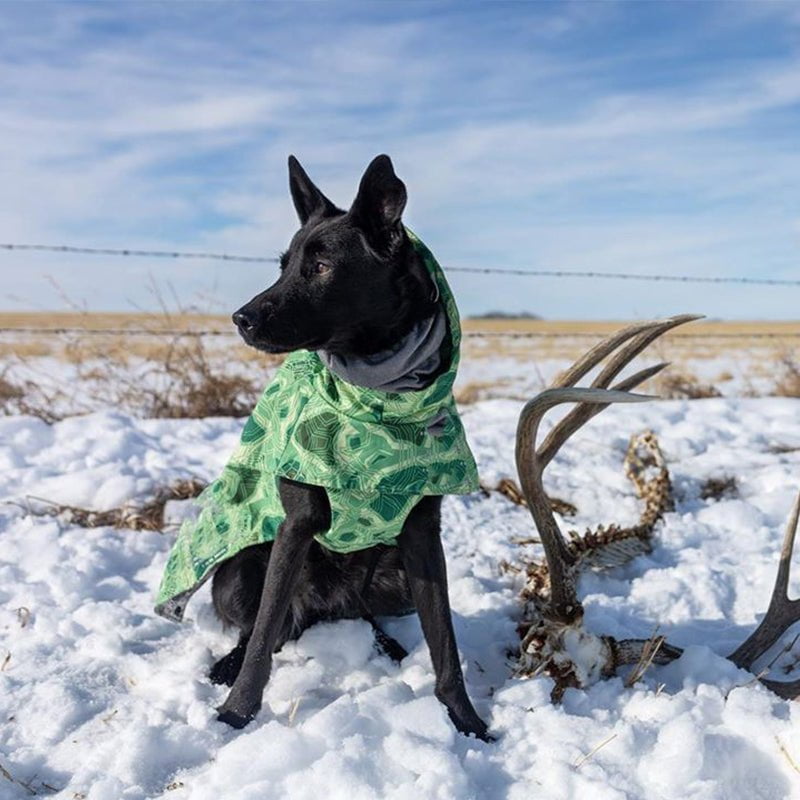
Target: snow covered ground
(102, 700)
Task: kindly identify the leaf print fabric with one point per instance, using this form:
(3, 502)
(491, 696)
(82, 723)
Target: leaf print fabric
(376, 453)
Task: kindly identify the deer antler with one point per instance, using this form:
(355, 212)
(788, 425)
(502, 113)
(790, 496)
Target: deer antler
(781, 614)
(555, 641)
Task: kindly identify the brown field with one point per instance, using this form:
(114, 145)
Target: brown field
(567, 338)
(74, 336)
(156, 320)
(545, 339)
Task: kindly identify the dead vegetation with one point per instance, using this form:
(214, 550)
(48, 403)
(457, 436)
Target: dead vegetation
(144, 516)
(182, 377)
(788, 382)
(475, 391)
(24, 397)
(10, 394)
(163, 364)
(33, 786)
(509, 488)
(185, 382)
(717, 488)
(676, 385)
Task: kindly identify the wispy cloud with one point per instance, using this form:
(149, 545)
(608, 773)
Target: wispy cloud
(635, 137)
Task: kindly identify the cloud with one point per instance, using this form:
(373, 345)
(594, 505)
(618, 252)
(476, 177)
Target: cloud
(578, 135)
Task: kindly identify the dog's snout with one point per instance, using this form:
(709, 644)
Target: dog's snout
(243, 320)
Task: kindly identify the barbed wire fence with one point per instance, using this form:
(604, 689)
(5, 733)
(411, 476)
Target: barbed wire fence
(536, 273)
(466, 334)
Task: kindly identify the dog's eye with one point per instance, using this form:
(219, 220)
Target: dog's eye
(321, 268)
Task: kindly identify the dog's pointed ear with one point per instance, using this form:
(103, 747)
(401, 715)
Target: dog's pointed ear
(379, 204)
(307, 198)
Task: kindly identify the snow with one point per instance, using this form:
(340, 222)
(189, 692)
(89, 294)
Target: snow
(103, 700)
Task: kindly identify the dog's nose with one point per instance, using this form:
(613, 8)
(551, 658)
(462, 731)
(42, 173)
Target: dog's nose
(243, 321)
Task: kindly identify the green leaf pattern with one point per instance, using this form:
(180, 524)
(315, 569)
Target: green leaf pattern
(371, 450)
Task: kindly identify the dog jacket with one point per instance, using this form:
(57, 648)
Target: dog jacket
(375, 452)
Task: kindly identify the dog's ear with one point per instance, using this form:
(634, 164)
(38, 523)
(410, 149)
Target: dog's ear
(379, 204)
(307, 198)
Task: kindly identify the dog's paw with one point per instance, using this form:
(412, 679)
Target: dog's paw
(226, 670)
(233, 719)
(469, 723)
(485, 736)
(240, 707)
(237, 715)
(478, 729)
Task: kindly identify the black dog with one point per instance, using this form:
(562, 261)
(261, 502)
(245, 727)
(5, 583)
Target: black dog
(351, 284)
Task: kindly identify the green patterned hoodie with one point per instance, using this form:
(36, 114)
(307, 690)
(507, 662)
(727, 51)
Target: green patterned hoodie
(375, 452)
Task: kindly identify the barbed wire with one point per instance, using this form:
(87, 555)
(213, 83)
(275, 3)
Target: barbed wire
(538, 273)
(174, 333)
(129, 251)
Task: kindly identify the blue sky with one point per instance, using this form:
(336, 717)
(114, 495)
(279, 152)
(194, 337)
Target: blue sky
(639, 137)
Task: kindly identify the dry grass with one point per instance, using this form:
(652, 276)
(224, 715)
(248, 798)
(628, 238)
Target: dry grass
(119, 347)
(183, 379)
(559, 338)
(676, 384)
(163, 320)
(175, 375)
(509, 488)
(175, 371)
(475, 391)
(35, 348)
(23, 397)
(187, 383)
(649, 652)
(788, 383)
(717, 488)
(567, 339)
(10, 392)
(146, 516)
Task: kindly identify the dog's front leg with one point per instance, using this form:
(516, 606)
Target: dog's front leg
(307, 513)
(421, 549)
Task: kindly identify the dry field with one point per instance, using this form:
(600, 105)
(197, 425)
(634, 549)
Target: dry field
(76, 336)
(164, 364)
(567, 338)
(708, 357)
(516, 338)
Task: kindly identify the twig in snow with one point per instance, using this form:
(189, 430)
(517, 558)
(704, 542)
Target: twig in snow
(649, 652)
(148, 516)
(792, 762)
(764, 672)
(293, 710)
(509, 488)
(752, 680)
(588, 755)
